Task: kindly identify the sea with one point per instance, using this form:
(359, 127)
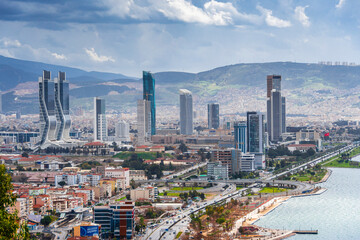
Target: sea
(335, 213)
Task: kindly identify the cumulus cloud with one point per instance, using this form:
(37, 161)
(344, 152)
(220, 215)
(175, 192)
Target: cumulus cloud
(6, 42)
(272, 20)
(59, 56)
(98, 58)
(301, 16)
(340, 4)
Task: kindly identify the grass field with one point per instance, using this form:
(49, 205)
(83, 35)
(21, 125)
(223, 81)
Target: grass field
(178, 235)
(238, 187)
(120, 199)
(170, 194)
(333, 162)
(272, 190)
(306, 176)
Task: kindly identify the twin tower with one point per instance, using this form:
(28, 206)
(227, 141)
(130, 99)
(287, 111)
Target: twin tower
(55, 119)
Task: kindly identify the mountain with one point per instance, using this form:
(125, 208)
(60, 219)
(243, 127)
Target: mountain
(14, 71)
(237, 87)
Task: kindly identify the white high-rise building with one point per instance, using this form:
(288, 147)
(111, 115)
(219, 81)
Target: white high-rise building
(143, 121)
(186, 112)
(100, 125)
(122, 131)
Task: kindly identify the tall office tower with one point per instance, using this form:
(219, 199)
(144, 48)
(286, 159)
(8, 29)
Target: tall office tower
(122, 131)
(143, 121)
(117, 220)
(213, 116)
(273, 82)
(273, 119)
(47, 108)
(240, 134)
(149, 94)
(283, 112)
(186, 112)
(100, 125)
(255, 132)
(62, 107)
(276, 116)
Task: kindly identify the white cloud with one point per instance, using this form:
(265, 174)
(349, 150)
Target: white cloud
(272, 20)
(301, 16)
(98, 58)
(340, 4)
(6, 42)
(59, 56)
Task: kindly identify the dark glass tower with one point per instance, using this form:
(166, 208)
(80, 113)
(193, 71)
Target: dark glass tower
(62, 107)
(149, 94)
(255, 132)
(240, 136)
(47, 108)
(213, 116)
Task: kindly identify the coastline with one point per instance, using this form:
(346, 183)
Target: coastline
(251, 218)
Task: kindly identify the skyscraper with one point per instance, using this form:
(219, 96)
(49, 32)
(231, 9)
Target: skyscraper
(62, 107)
(186, 112)
(47, 108)
(100, 125)
(149, 94)
(143, 121)
(255, 132)
(276, 112)
(122, 131)
(213, 116)
(276, 115)
(283, 112)
(240, 135)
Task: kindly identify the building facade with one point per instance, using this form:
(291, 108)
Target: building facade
(100, 124)
(213, 116)
(122, 130)
(240, 136)
(186, 112)
(116, 220)
(149, 95)
(143, 121)
(62, 107)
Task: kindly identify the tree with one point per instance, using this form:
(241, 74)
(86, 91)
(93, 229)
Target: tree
(25, 154)
(9, 227)
(183, 147)
(62, 183)
(46, 221)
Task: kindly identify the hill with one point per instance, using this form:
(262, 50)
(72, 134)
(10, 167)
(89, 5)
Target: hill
(243, 83)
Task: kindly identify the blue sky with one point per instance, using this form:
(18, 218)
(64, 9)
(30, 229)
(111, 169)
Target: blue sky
(128, 36)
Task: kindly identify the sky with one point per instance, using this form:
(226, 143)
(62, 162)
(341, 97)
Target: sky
(128, 36)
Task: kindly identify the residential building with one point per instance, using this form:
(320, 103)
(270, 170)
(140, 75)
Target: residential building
(149, 95)
(213, 116)
(118, 173)
(100, 124)
(116, 220)
(186, 112)
(137, 175)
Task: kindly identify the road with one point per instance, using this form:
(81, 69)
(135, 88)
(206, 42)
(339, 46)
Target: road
(177, 174)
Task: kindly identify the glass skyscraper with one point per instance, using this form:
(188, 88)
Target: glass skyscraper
(149, 94)
(186, 112)
(213, 116)
(240, 134)
(62, 107)
(255, 132)
(47, 108)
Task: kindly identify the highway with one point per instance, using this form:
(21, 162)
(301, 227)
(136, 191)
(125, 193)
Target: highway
(177, 174)
(171, 226)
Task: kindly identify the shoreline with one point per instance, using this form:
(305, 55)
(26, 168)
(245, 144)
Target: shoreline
(251, 218)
